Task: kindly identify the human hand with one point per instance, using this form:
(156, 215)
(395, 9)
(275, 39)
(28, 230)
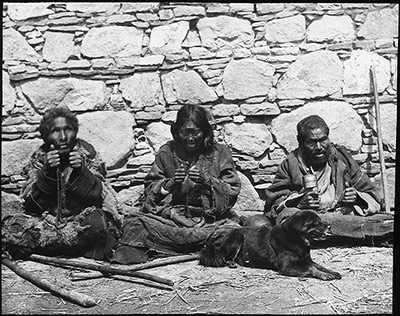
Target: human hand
(75, 159)
(309, 201)
(180, 174)
(194, 174)
(53, 157)
(349, 195)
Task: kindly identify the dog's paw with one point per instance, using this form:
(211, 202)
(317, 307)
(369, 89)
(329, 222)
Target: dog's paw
(231, 264)
(337, 275)
(334, 274)
(329, 276)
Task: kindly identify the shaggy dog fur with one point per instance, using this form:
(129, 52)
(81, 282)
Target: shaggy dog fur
(284, 248)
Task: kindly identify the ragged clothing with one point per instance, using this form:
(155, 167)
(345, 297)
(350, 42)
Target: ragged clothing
(90, 234)
(74, 212)
(179, 221)
(340, 172)
(146, 235)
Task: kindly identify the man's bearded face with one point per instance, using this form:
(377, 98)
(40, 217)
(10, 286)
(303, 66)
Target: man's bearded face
(316, 146)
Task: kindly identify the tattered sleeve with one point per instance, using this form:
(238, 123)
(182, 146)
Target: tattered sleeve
(288, 180)
(369, 201)
(83, 189)
(85, 185)
(163, 168)
(226, 185)
(40, 188)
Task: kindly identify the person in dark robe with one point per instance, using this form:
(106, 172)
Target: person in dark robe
(68, 208)
(189, 192)
(320, 176)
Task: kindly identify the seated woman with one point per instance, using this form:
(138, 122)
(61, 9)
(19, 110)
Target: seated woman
(189, 193)
(68, 208)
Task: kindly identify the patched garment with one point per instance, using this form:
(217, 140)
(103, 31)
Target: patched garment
(342, 171)
(213, 198)
(180, 221)
(76, 210)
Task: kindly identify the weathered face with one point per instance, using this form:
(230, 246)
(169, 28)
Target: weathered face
(316, 147)
(62, 135)
(191, 137)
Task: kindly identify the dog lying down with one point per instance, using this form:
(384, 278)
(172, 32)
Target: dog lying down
(284, 248)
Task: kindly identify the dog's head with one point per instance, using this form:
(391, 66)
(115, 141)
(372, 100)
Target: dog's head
(307, 225)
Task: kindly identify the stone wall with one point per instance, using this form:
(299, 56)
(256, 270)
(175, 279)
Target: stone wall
(126, 68)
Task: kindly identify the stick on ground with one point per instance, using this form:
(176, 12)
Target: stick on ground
(70, 295)
(136, 267)
(99, 267)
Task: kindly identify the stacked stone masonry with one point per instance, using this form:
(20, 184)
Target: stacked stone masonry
(126, 68)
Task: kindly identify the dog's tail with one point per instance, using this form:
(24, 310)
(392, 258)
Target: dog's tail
(222, 248)
(210, 256)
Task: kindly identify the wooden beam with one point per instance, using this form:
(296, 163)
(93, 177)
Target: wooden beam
(70, 295)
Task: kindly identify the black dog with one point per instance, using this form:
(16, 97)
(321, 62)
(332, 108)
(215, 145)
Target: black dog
(284, 248)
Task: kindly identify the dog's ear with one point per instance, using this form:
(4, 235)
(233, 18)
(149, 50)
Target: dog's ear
(304, 221)
(295, 222)
(311, 219)
(313, 222)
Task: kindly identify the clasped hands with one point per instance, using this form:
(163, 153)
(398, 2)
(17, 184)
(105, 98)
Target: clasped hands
(193, 174)
(311, 199)
(180, 174)
(54, 159)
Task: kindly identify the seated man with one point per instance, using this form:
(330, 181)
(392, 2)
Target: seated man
(68, 208)
(341, 186)
(189, 192)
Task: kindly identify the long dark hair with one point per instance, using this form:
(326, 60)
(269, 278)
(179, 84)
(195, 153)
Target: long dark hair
(199, 116)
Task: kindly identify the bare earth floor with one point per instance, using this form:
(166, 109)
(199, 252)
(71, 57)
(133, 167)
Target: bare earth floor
(366, 287)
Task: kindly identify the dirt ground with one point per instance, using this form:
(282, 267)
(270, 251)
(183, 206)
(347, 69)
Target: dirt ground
(365, 287)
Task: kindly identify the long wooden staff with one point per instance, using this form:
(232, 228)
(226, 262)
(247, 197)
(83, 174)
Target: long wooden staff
(101, 268)
(380, 143)
(70, 295)
(136, 267)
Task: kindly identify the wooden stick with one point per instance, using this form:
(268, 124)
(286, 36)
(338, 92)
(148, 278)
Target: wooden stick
(81, 276)
(99, 267)
(380, 143)
(152, 264)
(161, 262)
(70, 295)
